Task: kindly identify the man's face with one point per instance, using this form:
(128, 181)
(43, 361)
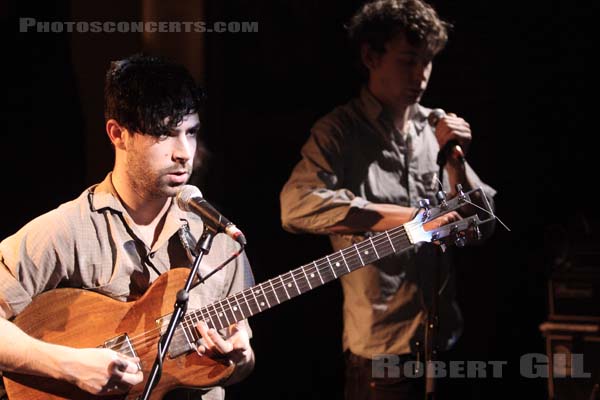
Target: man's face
(159, 166)
(400, 75)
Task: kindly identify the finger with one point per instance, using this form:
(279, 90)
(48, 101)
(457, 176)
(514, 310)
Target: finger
(124, 379)
(203, 329)
(208, 346)
(221, 345)
(132, 379)
(127, 364)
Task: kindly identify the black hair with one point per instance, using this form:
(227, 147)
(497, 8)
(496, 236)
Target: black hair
(150, 95)
(379, 21)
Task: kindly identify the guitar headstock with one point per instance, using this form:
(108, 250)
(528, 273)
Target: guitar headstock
(455, 232)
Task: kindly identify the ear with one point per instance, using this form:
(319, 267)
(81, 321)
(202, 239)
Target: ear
(369, 57)
(116, 133)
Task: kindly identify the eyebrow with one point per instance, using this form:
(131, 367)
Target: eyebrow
(195, 127)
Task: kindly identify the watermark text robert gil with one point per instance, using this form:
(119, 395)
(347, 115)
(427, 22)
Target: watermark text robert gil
(532, 365)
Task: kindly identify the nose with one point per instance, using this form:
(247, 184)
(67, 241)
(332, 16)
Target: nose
(183, 149)
(422, 71)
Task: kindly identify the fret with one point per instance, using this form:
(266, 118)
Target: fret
(194, 334)
(306, 276)
(247, 303)
(255, 300)
(333, 272)
(362, 262)
(228, 312)
(390, 239)
(264, 295)
(218, 315)
(192, 317)
(374, 248)
(295, 283)
(208, 320)
(274, 291)
(338, 264)
(366, 255)
(330, 266)
(284, 288)
(233, 309)
(344, 258)
(185, 329)
(319, 273)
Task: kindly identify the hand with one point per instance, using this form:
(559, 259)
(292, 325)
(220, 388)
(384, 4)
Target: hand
(236, 347)
(102, 371)
(442, 220)
(451, 127)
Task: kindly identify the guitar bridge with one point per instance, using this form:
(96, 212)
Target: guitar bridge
(121, 344)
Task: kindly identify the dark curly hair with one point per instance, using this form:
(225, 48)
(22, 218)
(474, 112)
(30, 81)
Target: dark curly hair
(379, 21)
(141, 92)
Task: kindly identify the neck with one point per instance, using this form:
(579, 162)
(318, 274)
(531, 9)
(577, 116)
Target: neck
(143, 208)
(398, 113)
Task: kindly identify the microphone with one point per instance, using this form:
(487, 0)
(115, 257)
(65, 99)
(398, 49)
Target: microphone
(190, 198)
(452, 147)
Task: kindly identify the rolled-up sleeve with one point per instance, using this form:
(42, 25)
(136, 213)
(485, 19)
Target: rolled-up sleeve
(32, 261)
(312, 200)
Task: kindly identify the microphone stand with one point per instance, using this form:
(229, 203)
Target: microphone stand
(180, 308)
(432, 324)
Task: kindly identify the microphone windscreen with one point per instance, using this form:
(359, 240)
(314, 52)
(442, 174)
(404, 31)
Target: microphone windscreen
(185, 194)
(435, 115)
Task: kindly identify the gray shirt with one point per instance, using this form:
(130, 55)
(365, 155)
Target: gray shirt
(91, 243)
(355, 156)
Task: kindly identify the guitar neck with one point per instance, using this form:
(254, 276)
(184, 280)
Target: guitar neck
(286, 286)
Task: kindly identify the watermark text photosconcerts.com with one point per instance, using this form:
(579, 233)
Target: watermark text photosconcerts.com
(33, 25)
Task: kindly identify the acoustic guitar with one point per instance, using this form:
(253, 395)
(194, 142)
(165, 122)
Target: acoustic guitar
(82, 318)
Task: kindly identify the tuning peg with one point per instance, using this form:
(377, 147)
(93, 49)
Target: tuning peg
(462, 197)
(425, 205)
(441, 198)
(476, 230)
(459, 240)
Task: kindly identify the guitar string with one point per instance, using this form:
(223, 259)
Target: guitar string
(305, 287)
(386, 236)
(280, 282)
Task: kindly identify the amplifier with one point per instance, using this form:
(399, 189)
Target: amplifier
(574, 296)
(573, 351)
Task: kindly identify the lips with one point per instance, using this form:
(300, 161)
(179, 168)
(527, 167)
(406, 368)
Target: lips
(178, 176)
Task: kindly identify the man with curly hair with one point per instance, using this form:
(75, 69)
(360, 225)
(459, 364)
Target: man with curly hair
(364, 169)
(121, 234)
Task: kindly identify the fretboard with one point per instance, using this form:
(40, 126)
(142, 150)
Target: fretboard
(286, 286)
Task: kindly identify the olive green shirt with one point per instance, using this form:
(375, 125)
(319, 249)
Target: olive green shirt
(353, 157)
(91, 243)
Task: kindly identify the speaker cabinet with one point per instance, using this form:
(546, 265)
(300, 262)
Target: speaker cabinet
(573, 351)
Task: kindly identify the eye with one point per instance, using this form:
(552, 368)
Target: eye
(192, 132)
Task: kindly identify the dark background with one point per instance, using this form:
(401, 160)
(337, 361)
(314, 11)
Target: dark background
(516, 71)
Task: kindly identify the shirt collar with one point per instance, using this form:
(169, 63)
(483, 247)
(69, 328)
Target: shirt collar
(104, 196)
(374, 110)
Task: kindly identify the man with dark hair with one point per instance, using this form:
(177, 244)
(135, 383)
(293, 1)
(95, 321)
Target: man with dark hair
(122, 234)
(364, 169)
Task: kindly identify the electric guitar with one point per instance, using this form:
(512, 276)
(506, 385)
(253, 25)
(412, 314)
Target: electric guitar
(82, 318)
